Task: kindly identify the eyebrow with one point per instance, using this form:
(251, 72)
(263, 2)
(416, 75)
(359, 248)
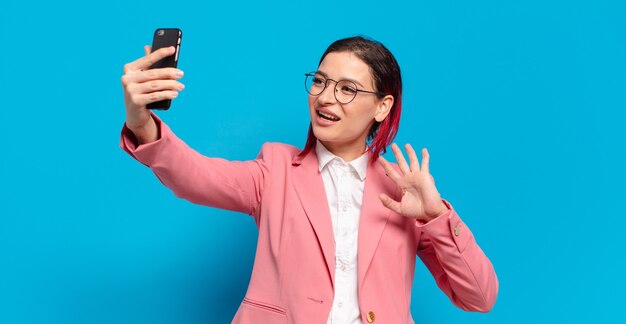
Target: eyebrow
(326, 76)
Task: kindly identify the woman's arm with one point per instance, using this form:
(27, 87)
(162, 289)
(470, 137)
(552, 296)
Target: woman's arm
(460, 268)
(446, 245)
(215, 182)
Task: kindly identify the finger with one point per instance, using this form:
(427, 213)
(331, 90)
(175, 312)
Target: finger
(144, 99)
(415, 166)
(425, 161)
(154, 86)
(153, 74)
(147, 49)
(404, 167)
(390, 203)
(145, 62)
(391, 172)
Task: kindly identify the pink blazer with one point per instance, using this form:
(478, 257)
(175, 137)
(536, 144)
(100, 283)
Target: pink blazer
(293, 273)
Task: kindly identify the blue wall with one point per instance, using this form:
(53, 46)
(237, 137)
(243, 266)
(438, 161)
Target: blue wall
(520, 103)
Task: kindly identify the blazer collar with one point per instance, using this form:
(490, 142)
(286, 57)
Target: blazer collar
(309, 186)
(374, 216)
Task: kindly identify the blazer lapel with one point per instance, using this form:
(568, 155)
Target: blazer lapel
(374, 217)
(309, 186)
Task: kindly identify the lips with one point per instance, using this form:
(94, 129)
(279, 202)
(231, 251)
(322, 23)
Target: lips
(326, 114)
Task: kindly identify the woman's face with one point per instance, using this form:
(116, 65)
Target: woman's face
(356, 117)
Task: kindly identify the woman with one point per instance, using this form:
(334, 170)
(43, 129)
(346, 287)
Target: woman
(339, 226)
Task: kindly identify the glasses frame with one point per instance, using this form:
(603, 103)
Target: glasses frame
(312, 74)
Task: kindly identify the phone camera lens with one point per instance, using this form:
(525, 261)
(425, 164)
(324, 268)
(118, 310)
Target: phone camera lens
(161, 32)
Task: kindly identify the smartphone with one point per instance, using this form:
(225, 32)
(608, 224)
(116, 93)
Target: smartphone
(165, 37)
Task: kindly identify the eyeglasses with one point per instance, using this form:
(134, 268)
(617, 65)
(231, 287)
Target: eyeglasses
(345, 90)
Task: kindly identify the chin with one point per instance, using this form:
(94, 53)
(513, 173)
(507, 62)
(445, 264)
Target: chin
(328, 138)
(319, 134)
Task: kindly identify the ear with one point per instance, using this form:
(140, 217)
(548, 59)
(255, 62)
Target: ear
(384, 107)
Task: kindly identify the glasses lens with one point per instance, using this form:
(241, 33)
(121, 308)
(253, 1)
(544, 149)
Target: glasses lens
(346, 91)
(314, 84)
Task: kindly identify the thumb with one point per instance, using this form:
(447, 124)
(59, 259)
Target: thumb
(147, 49)
(390, 203)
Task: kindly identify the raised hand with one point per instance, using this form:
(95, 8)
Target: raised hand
(143, 86)
(420, 198)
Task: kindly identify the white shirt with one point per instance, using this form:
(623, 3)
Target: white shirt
(344, 184)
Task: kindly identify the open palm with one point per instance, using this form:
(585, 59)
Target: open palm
(420, 198)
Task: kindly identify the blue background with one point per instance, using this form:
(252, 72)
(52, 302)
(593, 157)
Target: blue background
(520, 103)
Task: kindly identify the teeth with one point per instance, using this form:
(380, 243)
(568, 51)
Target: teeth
(328, 116)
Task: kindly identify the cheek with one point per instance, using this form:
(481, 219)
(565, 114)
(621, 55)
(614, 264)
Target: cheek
(311, 102)
(363, 116)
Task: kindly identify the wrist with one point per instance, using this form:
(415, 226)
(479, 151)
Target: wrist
(149, 132)
(442, 210)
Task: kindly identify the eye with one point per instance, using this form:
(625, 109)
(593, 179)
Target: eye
(318, 80)
(348, 89)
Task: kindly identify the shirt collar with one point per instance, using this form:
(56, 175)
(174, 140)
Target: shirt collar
(324, 156)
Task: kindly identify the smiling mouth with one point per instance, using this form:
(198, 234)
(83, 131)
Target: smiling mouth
(327, 117)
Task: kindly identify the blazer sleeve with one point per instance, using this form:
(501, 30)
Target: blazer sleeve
(214, 182)
(460, 268)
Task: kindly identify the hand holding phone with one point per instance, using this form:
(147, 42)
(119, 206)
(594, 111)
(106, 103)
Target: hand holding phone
(165, 37)
(144, 86)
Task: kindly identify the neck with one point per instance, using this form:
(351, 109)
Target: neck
(346, 151)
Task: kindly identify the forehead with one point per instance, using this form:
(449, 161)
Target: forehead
(345, 65)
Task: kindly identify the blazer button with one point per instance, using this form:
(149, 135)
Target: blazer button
(457, 230)
(371, 317)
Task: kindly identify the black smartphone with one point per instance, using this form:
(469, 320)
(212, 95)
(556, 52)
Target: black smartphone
(165, 37)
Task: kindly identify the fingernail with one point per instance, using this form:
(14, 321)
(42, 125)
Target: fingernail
(179, 73)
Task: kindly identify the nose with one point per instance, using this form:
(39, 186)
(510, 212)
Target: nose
(328, 94)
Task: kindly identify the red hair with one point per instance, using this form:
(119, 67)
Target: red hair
(387, 80)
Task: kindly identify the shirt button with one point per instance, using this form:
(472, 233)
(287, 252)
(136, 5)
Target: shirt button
(343, 267)
(340, 304)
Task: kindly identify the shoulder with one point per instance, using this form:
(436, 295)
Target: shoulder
(278, 151)
(280, 148)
